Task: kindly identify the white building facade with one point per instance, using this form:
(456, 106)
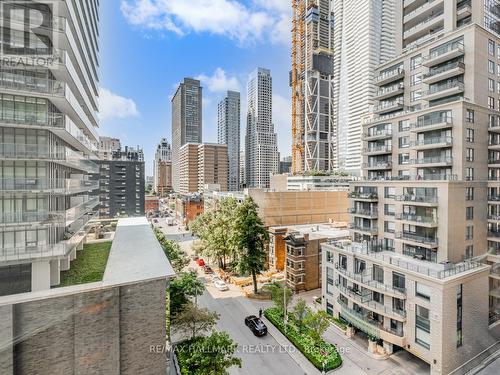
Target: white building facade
(228, 133)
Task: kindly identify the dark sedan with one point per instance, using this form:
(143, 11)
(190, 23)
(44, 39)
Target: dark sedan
(256, 325)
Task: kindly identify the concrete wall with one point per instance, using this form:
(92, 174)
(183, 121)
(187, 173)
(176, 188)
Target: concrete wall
(103, 331)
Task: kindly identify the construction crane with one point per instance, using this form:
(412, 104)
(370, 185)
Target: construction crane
(297, 83)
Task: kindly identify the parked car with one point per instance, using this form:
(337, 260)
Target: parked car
(201, 262)
(256, 325)
(208, 270)
(215, 277)
(221, 285)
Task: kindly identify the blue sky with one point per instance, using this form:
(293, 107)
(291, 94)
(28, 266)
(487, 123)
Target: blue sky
(148, 46)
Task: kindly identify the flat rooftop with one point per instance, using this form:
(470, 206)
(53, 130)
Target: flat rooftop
(334, 231)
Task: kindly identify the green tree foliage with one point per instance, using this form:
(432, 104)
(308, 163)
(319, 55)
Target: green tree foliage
(317, 323)
(178, 258)
(300, 312)
(185, 286)
(250, 238)
(280, 296)
(193, 320)
(212, 355)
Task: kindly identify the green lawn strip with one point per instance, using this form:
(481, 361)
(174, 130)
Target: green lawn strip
(88, 266)
(316, 353)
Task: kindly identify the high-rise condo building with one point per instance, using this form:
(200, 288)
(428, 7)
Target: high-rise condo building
(243, 174)
(48, 120)
(368, 26)
(261, 150)
(186, 121)
(228, 121)
(314, 137)
(106, 146)
(425, 221)
(162, 172)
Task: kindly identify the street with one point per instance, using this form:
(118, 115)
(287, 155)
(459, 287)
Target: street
(274, 354)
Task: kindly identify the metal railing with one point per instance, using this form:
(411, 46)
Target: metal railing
(435, 71)
(439, 88)
(448, 120)
(433, 160)
(389, 74)
(417, 198)
(358, 211)
(416, 218)
(417, 238)
(45, 183)
(433, 141)
(423, 23)
(444, 49)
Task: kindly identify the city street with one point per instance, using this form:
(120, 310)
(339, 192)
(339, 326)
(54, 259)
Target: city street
(274, 354)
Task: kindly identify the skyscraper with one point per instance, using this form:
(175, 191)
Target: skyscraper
(48, 132)
(421, 271)
(261, 150)
(314, 137)
(163, 153)
(186, 121)
(360, 25)
(228, 121)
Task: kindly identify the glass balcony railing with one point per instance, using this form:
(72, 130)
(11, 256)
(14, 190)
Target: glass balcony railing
(363, 212)
(417, 238)
(416, 218)
(433, 141)
(362, 228)
(417, 198)
(440, 88)
(362, 195)
(442, 50)
(434, 160)
(19, 82)
(436, 120)
(378, 133)
(436, 71)
(56, 185)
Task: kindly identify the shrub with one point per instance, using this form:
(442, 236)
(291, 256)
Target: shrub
(317, 352)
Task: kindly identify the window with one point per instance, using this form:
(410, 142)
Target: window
(469, 193)
(491, 85)
(459, 315)
(498, 51)
(404, 158)
(359, 266)
(422, 291)
(404, 125)
(389, 192)
(342, 261)
(469, 174)
(470, 116)
(469, 251)
(469, 155)
(398, 281)
(415, 79)
(491, 102)
(422, 327)
(498, 87)
(491, 67)
(389, 209)
(416, 62)
(404, 142)
(469, 213)
(389, 227)
(491, 47)
(498, 70)
(415, 95)
(470, 135)
(378, 273)
(469, 232)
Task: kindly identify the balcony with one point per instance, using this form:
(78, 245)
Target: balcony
(444, 72)
(423, 221)
(355, 294)
(433, 161)
(441, 91)
(389, 106)
(420, 13)
(464, 10)
(359, 196)
(375, 134)
(443, 53)
(369, 214)
(432, 142)
(440, 122)
(422, 28)
(417, 239)
(364, 229)
(421, 200)
(38, 218)
(389, 76)
(387, 92)
(47, 185)
(378, 150)
(374, 165)
(494, 218)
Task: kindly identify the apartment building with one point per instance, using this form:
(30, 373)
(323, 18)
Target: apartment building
(186, 121)
(48, 120)
(314, 144)
(213, 166)
(188, 207)
(415, 274)
(261, 148)
(188, 168)
(106, 146)
(162, 168)
(121, 184)
(228, 133)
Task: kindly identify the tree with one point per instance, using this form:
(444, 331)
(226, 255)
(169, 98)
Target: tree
(178, 258)
(317, 323)
(300, 311)
(186, 285)
(193, 320)
(250, 238)
(212, 355)
(278, 295)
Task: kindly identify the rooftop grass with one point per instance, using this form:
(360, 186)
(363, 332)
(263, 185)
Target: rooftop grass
(89, 265)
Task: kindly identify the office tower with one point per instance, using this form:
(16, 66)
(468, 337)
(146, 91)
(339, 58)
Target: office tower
(424, 222)
(106, 146)
(261, 150)
(48, 122)
(121, 183)
(243, 174)
(368, 26)
(202, 164)
(228, 120)
(314, 137)
(285, 165)
(186, 121)
(160, 173)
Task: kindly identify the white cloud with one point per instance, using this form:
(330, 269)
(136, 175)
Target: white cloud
(115, 106)
(231, 18)
(219, 82)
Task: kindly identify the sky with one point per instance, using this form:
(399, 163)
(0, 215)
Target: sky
(148, 46)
